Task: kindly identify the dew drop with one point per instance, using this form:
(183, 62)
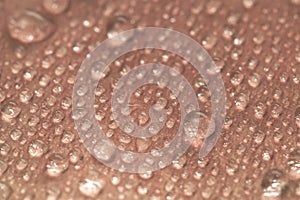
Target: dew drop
(29, 27)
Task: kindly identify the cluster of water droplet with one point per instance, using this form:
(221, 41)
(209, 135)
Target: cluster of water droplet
(257, 53)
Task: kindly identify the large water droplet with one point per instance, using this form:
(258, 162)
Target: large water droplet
(28, 27)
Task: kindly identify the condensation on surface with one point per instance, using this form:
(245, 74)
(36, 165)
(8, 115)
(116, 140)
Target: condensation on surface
(256, 46)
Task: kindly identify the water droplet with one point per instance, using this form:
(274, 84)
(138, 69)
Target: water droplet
(36, 148)
(67, 137)
(90, 188)
(254, 80)
(248, 3)
(259, 137)
(75, 155)
(189, 189)
(276, 111)
(25, 95)
(209, 42)
(21, 164)
(56, 165)
(9, 111)
(5, 191)
(213, 6)
(231, 167)
(53, 193)
(241, 101)
(28, 27)
(116, 25)
(55, 6)
(104, 151)
(15, 134)
(259, 110)
(236, 78)
(273, 184)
